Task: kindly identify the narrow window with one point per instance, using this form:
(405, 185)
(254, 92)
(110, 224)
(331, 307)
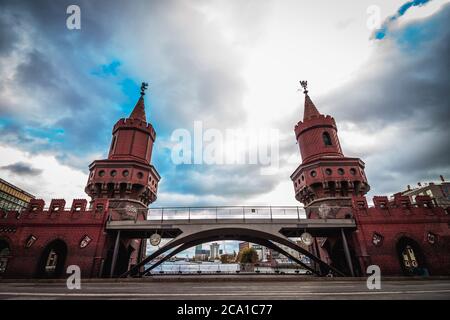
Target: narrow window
(113, 144)
(326, 138)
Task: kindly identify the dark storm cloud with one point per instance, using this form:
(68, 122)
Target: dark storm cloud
(8, 34)
(22, 169)
(190, 70)
(193, 70)
(53, 87)
(62, 98)
(408, 83)
(226, 181)
(404, 89)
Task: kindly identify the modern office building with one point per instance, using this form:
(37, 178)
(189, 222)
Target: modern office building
(13, 198)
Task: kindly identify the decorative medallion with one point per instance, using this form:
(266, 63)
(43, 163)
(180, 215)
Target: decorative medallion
(85, 241)
(307, 238)
(431, 238)
(155, 239)
(324, 210)
(131, 209)
(377, 239)
(30, 241)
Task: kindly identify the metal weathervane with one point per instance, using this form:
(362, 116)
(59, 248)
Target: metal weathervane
(144, 86)
(304, 85)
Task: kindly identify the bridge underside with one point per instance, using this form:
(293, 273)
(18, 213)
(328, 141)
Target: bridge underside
(187, 235)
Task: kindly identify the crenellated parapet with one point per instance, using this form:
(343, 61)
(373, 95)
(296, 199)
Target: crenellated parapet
(402, 237)
(400, 207)
(127, 123)
(314, 121)
(326, 175)
(57, 213)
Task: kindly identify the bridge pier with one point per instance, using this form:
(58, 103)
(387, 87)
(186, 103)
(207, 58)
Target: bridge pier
(347, 253)
(115, 253)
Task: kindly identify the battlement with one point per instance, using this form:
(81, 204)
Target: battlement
(399, 207)
(36, 212)
(316, 120)
(135, 124)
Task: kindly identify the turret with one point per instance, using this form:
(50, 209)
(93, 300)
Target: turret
(127, 177)
(326, 175)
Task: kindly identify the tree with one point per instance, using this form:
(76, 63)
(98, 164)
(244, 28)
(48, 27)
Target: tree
(248, 255)
(226, 258)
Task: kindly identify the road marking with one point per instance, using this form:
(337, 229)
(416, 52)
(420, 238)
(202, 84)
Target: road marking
(240, 293)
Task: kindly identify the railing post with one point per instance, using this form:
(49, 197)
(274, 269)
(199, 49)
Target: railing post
(189, 214)
(162, 214)
(243, 212)
(298, 214)
(271, 219)
(216, 214)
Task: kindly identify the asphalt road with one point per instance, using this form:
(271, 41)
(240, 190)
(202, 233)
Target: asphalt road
(203, 288)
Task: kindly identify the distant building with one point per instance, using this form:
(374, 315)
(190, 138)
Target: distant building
(440, 193)
(261, 251)
(198, 249)
(201, 254)
(214, 251)
(13, 198)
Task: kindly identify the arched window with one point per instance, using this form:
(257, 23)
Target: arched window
(326, 139)
(52, 261)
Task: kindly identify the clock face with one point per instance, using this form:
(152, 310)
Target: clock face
(307, 238)
(155, 239)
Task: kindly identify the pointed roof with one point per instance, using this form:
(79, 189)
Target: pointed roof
(139, 110)
(310, 109)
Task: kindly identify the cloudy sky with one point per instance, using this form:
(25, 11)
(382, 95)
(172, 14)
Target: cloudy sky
(230, 65)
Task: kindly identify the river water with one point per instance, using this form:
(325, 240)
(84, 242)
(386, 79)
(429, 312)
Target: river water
(214, 267)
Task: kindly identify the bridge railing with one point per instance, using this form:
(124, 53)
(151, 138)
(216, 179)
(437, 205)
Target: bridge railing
(229, 212)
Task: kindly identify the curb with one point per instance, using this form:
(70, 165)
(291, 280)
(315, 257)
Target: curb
(221, 278)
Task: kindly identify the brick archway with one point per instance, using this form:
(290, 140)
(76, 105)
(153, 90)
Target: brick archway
(244, 234)
(411, 258)
(52, 260)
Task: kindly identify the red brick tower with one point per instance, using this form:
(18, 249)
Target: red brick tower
(126, 177)
(325, 175)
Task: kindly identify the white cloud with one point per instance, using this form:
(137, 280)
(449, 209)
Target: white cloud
(55, 181)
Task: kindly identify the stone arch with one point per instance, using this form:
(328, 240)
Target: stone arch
(411, 258)
(52, 260)
(255, 236)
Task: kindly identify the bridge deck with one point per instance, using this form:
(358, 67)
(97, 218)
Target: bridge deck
(173, 227)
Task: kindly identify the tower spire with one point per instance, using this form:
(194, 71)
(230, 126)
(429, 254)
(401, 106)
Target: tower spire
(326, 175)
(139, 109)
(310, 110)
